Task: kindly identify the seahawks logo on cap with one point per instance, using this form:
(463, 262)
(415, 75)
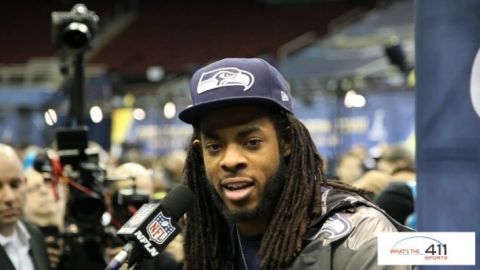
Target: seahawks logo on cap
(228, 76)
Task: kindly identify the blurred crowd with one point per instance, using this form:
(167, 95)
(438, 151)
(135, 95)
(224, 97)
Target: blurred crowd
(126, 183)
(389, 177)
(132, 180)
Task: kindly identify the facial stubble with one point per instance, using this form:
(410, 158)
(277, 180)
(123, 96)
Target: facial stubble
(273, 190)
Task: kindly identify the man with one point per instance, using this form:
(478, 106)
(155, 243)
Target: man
(22, 246)
(45, 208)
(45, 203)
(262, 200)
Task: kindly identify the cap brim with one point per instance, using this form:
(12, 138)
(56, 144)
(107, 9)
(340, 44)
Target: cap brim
(192, 114)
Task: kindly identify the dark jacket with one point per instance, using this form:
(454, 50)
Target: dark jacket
(345, 236)
(38, 250)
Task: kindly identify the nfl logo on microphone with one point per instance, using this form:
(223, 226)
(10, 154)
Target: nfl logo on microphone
(160, 228)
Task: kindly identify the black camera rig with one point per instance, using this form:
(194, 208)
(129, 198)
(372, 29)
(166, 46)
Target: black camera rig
(86, 203)
(73, 33)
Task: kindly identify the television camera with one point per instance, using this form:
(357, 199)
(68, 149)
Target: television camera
(74, 30)
(85, 235)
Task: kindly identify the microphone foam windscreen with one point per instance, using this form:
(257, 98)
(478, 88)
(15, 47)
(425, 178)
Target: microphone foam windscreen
(178, 201)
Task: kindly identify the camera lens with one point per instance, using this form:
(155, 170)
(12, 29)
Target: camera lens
(76, 35)
(87, 211)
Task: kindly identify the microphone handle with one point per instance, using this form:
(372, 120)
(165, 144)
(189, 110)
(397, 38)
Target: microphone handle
(129, 252)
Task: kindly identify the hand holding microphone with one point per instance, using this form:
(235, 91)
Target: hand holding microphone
(152, 228)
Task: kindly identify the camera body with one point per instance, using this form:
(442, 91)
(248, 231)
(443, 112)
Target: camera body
(74, 30)
(127, 200)
(86, 202)
(83, 240)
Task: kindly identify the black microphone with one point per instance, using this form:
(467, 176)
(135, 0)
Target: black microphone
(152, 228)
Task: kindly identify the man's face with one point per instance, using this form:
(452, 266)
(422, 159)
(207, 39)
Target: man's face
(41, 206)
(12, 191)
(241, 156)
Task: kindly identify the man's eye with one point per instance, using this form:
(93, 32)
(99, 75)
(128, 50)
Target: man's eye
(34, 188)
(253, 143)
(213, 147)
(15, 184)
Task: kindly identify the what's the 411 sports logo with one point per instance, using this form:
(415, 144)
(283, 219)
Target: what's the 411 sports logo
(438, 249)
(426, 248)
(430, 248)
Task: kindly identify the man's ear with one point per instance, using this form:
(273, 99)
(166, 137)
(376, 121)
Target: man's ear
(197, 145)
(286, 149)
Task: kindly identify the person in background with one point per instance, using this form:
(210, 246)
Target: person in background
(261, 197)
(374, 181)
(398, 198)
(22, 244)
(45, 207)
(161, 186)
(394, 167)
(398, 162)
(173, 167)
(45, 203)
(349, 168)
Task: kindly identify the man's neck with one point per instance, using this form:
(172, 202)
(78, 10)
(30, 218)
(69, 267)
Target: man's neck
(7, 229)
(253, 227)
(46, 220)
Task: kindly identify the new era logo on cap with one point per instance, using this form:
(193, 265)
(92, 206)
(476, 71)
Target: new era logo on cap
(284, 96)
(236, 81)
(228, 76)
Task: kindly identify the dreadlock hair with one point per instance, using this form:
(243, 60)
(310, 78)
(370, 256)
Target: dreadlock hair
(208, 243)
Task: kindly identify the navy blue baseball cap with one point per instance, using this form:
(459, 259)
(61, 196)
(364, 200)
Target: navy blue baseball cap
(236, 81)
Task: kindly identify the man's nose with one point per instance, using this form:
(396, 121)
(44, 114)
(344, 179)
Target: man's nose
(44, 188)
(233, 159)
(7, 194)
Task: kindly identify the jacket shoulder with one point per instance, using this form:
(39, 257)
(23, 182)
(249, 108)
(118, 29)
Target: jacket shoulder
(347, 241)
(31, 228)
(345, 236)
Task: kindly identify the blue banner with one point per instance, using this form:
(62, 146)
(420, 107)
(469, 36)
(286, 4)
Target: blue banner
(448, 117)
(387, 117)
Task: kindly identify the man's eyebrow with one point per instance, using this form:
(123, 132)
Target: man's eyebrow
(242, 133)
(211, 135)
(248, 130)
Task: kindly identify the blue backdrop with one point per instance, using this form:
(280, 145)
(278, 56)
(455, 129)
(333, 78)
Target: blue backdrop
(448, 128)
(387, 117)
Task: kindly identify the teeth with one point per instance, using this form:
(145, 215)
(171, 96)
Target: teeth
(236, 186)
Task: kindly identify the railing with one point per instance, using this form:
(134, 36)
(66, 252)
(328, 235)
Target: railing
(39, 71)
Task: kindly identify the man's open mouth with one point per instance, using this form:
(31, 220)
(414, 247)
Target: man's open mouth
(237, 190)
